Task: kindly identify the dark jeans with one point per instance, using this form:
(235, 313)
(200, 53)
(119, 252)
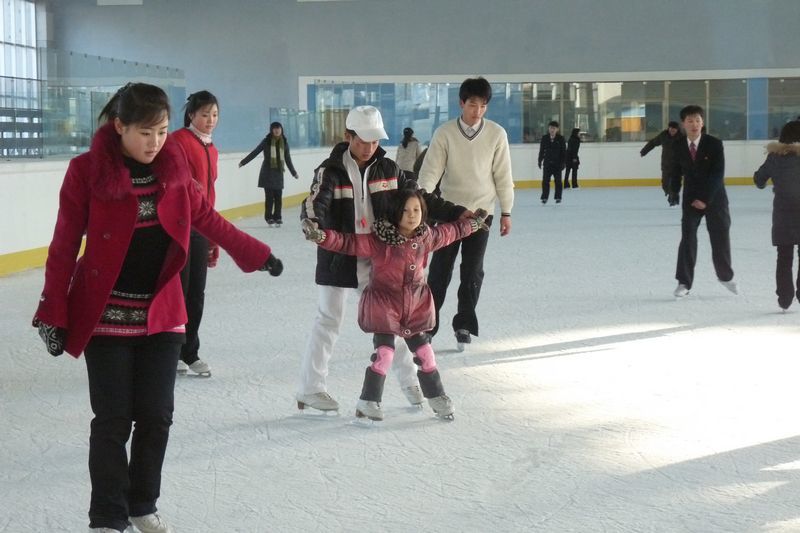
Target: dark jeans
(574, 169)
(718, 222)
(440, 272)
(129, 382)
(786, 289)
(555, 173)
(273, 202)
(193, 278)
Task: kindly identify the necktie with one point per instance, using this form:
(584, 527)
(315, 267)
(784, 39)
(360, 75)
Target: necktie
(692, 150)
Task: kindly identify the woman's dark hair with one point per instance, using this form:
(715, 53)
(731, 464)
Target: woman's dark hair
(575, 132)
(137, 103)
(276, 125)
(475, 87)
(195, 102)
(790, 133)
(400, 199)
(408, 135)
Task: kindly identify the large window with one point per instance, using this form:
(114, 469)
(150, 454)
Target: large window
(18, 41)
(784, 103)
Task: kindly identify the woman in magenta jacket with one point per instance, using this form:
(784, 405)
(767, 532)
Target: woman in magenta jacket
(397, 299)
(121, 303)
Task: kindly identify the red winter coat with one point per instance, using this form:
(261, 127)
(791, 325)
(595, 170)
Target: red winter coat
(97, 200)
(397, 299)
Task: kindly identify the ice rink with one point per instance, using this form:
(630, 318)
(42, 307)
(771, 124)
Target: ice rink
(592, 401)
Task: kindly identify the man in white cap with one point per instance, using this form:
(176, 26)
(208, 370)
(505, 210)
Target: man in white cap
(350, 189)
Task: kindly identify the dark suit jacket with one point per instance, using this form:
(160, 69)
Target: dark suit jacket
(702, 178)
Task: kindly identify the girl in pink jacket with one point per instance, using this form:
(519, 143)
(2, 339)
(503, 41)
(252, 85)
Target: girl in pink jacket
(397, 299)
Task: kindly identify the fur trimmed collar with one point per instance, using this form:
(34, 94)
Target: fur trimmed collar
(388, 234)
(110, 178)
(783, 149)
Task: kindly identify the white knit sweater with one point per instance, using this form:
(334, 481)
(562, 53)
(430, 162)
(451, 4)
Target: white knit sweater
(475, 172)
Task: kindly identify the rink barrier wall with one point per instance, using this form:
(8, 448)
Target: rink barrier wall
(29, 202)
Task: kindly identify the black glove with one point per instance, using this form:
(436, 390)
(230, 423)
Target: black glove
(672, 199)
(52, 336)
(273, 265)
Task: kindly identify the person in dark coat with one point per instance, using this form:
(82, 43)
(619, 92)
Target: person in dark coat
(666, 140)
(270, 178)
(783, 168)
(699, 162)
(572, 161)
(553, 155)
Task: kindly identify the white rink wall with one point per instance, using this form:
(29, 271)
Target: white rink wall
(29, 202)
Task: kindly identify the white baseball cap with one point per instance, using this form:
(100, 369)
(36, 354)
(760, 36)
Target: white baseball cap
(367, 122)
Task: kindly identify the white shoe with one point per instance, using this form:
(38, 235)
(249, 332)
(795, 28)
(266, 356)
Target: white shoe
(369, 409)
(183, 368)
(201, 368)
(442, 406)
(150, 523)
(681, 290)
(321, 401)
(413, 395)
(731, 286)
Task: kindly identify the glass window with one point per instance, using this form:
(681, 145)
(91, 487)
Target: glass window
(541, 103)
(784, 103)
(726, 116)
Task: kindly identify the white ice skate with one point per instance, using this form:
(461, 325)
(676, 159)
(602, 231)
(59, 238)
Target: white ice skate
(414, 395)
(369, 409)
(462, 339)
(321, 401)
(442, 406)
(182, 369)
(200, 368)
(150, 523)
(681, 291)
(731, 286)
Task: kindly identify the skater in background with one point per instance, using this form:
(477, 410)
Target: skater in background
(552, 160)
(783, 168)
(201, 113)
(699, 163)
(572, 159)
(408, 152)
(666, 140)
(133, 197)
(469, 161)
(397, 301)
(349, 191)
(270, 178)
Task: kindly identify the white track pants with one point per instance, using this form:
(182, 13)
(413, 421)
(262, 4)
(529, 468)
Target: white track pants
(325, 332)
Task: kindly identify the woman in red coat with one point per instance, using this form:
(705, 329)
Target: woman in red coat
(200, 117)
(397, 299)
(121, 303)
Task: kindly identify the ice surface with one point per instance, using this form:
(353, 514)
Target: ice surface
(592, 401)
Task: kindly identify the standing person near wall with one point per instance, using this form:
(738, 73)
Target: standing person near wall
(666, 140)
(783, 168)
(132, 195)
(270, 178)
(470, 159)
(349, 191)
(552, 159)
(573, 161)
(201, 113)
(408, 152)
(699, 162)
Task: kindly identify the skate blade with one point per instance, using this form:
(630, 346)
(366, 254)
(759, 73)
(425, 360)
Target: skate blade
(310, 410)
(362, 416)
(446, 418)
(461, 346)
(181, 372)
(204, 375)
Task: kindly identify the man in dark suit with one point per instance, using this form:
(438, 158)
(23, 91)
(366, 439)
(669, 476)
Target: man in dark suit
(553, 154)
(699, 162)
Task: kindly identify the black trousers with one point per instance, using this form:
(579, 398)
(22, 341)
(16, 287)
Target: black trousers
(574, 168)
(273, 203)
(784, 280)
(555, 173)
(193, 278)
(129, 383)
(718, 222)
(440, 272)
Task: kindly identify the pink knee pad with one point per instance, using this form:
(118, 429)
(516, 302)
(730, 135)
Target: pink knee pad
(427, 361)
(383, 360)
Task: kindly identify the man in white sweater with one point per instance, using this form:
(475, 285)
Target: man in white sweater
(469, 160)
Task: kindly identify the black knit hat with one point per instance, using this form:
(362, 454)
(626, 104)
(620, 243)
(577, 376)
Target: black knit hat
(673, 124)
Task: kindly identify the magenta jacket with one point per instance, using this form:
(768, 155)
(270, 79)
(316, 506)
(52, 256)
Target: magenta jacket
(397, 299)
(97, 201)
